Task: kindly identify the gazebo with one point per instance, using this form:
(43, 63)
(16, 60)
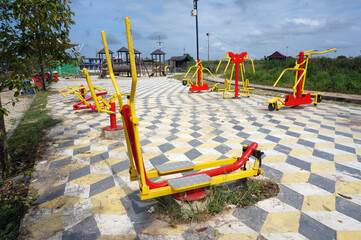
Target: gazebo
(100, 54)
(159, 64)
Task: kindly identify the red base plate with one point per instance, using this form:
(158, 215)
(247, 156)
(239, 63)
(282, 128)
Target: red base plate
(109, 128)
(292, 101)
(195, 88)
(191, 195)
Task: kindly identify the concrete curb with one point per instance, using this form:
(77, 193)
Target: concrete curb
(351, 98)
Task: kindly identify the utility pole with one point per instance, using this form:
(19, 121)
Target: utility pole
(195, 13)
(208, 46)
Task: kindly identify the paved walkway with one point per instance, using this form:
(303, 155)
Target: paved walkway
(314, 153)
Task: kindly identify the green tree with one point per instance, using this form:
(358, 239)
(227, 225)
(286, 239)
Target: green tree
(32, 32)
(189, 56)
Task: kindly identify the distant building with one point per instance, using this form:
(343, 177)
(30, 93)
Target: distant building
(178, 63)
(91, 64)
(276, 55)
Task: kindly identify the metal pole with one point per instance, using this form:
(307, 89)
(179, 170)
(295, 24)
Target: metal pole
(208, 48)
(195, 8)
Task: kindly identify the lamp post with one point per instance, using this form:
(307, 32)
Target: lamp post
(208, 46)
(195, 13)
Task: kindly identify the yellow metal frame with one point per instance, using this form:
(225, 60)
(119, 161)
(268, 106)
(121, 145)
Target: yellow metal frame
(278, 103)
(228, 83)
(197, 66)
(145, 191)
(77, 91)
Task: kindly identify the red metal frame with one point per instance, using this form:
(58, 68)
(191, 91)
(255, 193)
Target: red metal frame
(198, 87)
(93, 107)
(113, 119)
(237, 59)
(290, 100)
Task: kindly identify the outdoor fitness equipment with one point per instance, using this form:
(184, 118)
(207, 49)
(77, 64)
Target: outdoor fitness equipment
(80, 91)
(191, 183)
(299, 97)
(238, 65)
(198, 86)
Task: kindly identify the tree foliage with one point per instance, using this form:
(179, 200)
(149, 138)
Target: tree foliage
(32, 33)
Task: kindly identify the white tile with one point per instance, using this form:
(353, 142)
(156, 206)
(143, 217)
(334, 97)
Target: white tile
(77, 190)
(284, 236)
(306, 189)
(114, 224)
(275, 205)
(335, 220)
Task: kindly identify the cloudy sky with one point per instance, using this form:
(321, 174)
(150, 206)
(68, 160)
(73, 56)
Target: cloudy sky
(259, 27)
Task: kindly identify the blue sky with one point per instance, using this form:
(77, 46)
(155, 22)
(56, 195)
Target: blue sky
(258, 27)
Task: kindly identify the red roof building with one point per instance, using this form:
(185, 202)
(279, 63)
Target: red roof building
(276, 55)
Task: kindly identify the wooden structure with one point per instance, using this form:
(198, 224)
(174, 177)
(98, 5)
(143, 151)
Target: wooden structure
(178, 63)
(158, 63)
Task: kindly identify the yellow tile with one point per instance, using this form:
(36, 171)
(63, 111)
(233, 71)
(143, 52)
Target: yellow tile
(346, 158)
(238, 236)
(295, 177)
(113, 193)
(324, 145)
(206, 137)
(111, 206)
(277, 132)
(324, 131)
(358, 151)
(209, 145)
(235, 141)
(147, 155)
(289, 140)
(235, 152)
(45, 228)
(158, 227)
(266, 146)
(61, 202)
(182, 140)
(308, 135)
(257, 136)
(294, 128)
(90, 179)
(344, 140)
(274, 158)
(281, 222)
(57, 158)
(109, 161)
(348, 187)
(301, 152)
(348, 235)
(207, 158)
(323, 167)
(69, 168)
(319, 203)
(154, 144)
(178, 150)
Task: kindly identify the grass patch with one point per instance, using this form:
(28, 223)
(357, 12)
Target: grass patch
(24, 146)
(219, 197)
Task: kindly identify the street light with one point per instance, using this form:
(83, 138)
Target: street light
(208, 34)
(195, 13)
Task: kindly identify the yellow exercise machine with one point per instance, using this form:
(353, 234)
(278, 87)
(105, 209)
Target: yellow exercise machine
(198, 86)
(299, 97)
(80, 91)
(238, 64)
(225, 170)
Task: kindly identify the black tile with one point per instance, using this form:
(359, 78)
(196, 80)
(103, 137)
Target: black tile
(293, 134)
(348, 208)
(323, 155)
(158, 160)
(171, 138)
(313, 229)
(263, 130)
(345, 148)
(283, 149)
(195, 135)
(272, 173)
(120, 166)
(51, 194)
(272, 139)
(290, 197)
(101, 186)
(60, 163)
(298, 163)
(254, 217)
(237, 127)
(79, 173)
(220, 139)
(323, 137)
(311, 130)
(193, 154)
(322, 182)
(306, 143)
(356, 173)
(223, 149)
(166, 147)
(99, 157)
(86, 229)
(195, 143)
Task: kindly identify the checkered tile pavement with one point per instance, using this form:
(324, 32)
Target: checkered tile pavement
(314, 153)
